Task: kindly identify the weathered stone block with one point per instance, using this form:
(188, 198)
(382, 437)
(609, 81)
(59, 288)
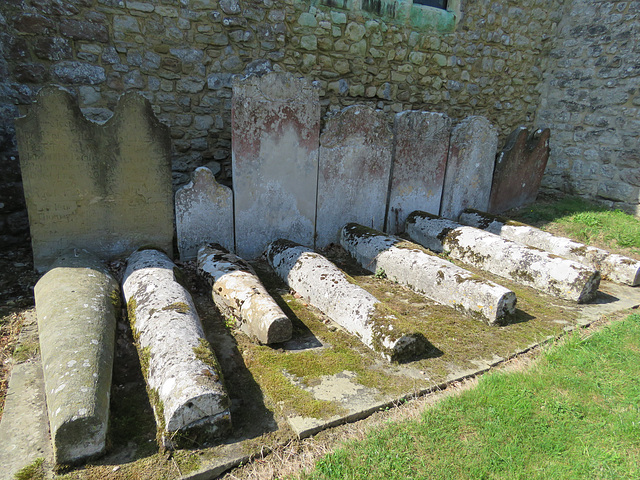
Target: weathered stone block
(616, 268)
(77, 302)
(408, 264)
(472, 154)
(106, 188)
(419, 163)
(530, 266)
(238, 292)
(275, 136)
(181, 371)
(353, 179)
(204, 214)
(519, 169)
(78, 73)
(327, 288)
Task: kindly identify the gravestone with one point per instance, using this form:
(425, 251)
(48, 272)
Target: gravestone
(419, 162)
(472, 154)
(353, 179)
(101, 187)
(204, 214)
(275, 128)
(519, 169)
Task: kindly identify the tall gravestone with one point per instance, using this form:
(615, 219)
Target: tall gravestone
(519, 169)
(472, 155)
(105, 188)
(419, 162)
(204, 214)
(353, 178)
(275, 123)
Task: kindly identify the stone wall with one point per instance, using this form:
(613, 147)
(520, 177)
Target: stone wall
(182, 55)
(591, 103)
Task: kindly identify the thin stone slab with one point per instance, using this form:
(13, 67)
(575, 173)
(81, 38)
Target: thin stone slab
(519, 169)
(355, 165)
(472, 155)
(275, 136)
(421, 148)
(426, 273)
(204, 214)
(613, 267)
(77, 303)
(238, 293)
(181, 371)
(327, 288)
(523, 264)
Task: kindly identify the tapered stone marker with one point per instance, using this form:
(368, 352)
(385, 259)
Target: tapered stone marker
(527, 265)
(327, 288)
(442, 281)
(77, 303)
(181, 371)
(616, 268)
(237, 291)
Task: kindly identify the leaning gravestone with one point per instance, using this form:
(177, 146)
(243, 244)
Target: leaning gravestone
(105, 188)
(353, 178)
(519, 169)
(204, 214)
(472, 154)
(420, 159)
(275, 122)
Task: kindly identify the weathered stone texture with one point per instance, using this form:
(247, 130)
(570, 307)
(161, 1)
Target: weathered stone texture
(354, 169)
(472, 153)
(204, 214)
(276, 122)
(421, 147)
(77, 303)
(106, 188)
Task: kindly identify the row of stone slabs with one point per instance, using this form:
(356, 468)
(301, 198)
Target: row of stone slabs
(77, 304)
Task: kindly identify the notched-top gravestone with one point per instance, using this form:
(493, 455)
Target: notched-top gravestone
(472, 154)
(519, 169)
(204, 214)
(105, 188)
(420, 158)
(355, 164)
(275, 122)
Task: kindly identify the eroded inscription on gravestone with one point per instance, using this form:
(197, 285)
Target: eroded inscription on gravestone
(275, 122)
(355, 164)
(472, 154)
(519, 169)
(105, 188)
(204, 214)
(419, 162)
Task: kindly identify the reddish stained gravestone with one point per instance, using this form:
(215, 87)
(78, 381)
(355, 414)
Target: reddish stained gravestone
(420, 159)
(275, 137)
(353, 179)
(472, 155)
(519, 169)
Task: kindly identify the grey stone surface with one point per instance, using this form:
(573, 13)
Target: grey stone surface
(327, 288)
(204, 214)
(353, 176)
(616, 268)
(406, 263)
(530, 266)
(472, 153)
(180, 368)
(276, 121)
(238, 292)
(421, 147)
(105, 188)
(519, 169)
(77, 302)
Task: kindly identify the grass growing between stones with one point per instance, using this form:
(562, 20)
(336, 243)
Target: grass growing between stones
(574, 415)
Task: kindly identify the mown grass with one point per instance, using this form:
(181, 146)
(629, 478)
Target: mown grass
(574, 415)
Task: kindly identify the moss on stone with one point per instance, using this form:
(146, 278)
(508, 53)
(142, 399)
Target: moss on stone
(180, 307)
